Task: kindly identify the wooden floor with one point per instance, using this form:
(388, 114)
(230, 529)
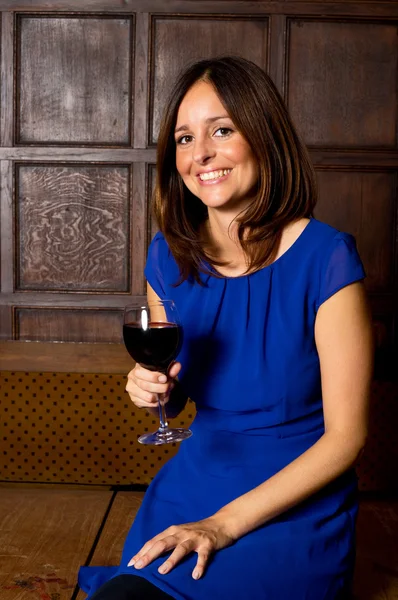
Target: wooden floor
(47, 533)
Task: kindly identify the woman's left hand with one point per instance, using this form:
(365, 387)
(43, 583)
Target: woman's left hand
(203, 537)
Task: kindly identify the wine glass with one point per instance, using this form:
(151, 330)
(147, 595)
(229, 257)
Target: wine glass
(152, 334)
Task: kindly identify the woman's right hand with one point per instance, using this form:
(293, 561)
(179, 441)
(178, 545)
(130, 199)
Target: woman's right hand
(144, 385)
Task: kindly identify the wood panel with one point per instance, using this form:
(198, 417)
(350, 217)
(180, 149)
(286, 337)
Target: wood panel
(7, 80)
(371, 8)
(63, 325)
(64, 357)
(172, 50)
(152, 227)
(376, 573)
(364, 204)
(342, 82)
(44, 537)
(73, 228)
(78, 80)
(74, 80)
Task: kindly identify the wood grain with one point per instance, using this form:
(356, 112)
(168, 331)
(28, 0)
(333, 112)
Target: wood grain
(64, 357)
(109, 548)
(141, 81)
(73, 228)
(277, 56)
(138, 230)
(380, 8)
(7, 79)
(363, 204)
(6, 229)
(75, 80)
(172, 50)
(66, 325)
(152, 226)
(45, 535)
(323, 60)
(376, 574)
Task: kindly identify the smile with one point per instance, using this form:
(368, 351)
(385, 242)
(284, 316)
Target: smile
(214, 174)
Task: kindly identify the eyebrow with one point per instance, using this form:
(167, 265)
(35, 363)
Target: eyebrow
(208, 121)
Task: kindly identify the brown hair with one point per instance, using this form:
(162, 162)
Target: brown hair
(286, 184)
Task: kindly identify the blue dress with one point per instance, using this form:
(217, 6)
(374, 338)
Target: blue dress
(250, 364)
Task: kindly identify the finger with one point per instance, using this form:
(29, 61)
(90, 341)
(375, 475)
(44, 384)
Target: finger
(203, 559)
(174, 370)
(179, 552)
(153, 388)
(166, 533)
(140, 397)
(152, 376)
(158, 548)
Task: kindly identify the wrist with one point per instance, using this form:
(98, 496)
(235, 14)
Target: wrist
(227, 523)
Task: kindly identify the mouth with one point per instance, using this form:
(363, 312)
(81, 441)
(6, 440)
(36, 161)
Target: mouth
(214, 175)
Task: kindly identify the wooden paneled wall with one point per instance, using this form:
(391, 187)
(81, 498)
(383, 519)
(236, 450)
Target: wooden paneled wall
(82, 90)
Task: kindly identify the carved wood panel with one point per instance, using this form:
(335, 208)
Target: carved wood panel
(72, 230)
(74, 83)
(179, 41)
(342, 79)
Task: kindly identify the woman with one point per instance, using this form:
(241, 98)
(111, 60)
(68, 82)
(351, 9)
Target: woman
(261, 501)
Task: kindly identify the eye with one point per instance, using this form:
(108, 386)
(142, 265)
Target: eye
(183, 140)
(223, 132)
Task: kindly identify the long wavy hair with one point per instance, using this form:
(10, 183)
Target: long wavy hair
(286, 188)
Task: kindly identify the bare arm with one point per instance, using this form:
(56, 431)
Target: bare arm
(343, 334)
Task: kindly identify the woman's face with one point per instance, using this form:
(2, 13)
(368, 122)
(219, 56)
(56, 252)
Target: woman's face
(214, 160)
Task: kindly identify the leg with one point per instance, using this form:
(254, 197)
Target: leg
(129, 587)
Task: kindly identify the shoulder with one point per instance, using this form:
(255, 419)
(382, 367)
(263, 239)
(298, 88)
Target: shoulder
(326, 233)
(339, 263)
(160, 259)
(158, 250)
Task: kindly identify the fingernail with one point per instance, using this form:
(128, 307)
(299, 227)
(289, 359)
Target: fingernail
(131, 563)
(162, 378)
(162, 569)
(139, 564)
(195, 574)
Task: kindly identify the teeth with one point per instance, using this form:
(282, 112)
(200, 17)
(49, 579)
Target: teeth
(214, 174)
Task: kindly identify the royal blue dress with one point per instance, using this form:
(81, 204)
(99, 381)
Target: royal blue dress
(251, 366)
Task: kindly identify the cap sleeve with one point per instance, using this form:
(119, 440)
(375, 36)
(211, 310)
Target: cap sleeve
(341, 267)
(155, 265)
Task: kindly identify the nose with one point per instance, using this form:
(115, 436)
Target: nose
(203, 150)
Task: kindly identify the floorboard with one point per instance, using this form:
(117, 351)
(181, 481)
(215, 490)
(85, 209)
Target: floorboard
(45, 535)
(110, 545)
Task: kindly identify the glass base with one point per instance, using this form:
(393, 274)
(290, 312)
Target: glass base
(167, 436)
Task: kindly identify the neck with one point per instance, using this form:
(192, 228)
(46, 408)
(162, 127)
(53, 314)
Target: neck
(221, 234)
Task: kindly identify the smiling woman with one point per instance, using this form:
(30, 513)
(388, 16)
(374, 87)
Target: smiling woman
(260, 503)
(215, 161)
(226, 134)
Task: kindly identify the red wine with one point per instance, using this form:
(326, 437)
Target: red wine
(153, 348)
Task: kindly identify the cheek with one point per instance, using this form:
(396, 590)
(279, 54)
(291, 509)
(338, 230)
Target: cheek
(182, 165)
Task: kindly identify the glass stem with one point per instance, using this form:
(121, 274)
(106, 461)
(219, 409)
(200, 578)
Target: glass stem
(162, 412)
